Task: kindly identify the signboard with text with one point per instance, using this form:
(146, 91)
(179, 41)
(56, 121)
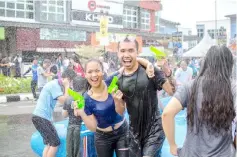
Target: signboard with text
(89, 12)
(113, 8)
(90, 18)
(62, 34)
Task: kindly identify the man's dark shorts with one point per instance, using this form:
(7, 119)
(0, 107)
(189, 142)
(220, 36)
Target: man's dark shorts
(47, 131)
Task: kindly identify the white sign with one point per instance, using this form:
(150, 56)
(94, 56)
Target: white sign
(94, 17)
(98, 6)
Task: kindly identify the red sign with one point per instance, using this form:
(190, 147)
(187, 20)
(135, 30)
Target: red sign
(92, 5)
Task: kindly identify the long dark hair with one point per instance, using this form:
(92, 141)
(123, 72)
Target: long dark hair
(217, 111)
(76, 58)
(88, 86)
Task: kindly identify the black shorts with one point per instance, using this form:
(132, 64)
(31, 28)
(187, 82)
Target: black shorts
(47, 131)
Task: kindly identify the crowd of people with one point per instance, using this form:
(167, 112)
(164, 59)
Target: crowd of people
(205, 87)
(10, 64)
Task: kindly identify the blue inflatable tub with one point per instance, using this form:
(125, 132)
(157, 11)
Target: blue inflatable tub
(87, 148)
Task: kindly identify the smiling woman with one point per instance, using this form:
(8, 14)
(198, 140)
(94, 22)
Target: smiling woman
(101, 115)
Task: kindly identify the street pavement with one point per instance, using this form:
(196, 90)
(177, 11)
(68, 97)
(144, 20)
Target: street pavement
(20, 107)
(16, 128)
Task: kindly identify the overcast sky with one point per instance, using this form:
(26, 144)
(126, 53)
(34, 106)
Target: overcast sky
(187, 12)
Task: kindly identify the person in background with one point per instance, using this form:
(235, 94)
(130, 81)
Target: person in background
(193, 66)
(59, 62)
(66, 62)
(77, 65)
(33, 69)
(5, 64)
(54, 70)
(17, 62)
(105, 65)
(43, 74)
(183, 74)
(74, 125)
(209, 100)
(43, 114)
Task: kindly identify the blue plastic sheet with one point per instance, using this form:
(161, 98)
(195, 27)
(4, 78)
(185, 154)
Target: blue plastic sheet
(61, 127)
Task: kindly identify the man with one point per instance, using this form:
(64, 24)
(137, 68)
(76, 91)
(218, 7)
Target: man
(5, 64)
(184, 74)
(43, 113)
(140, 94)
(34, 80)
(43, 74)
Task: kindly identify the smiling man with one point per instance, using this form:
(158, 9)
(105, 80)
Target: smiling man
(140, 94)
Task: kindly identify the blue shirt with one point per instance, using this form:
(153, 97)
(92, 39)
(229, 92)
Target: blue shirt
(34, 72)
(104, 111)
(47, 100)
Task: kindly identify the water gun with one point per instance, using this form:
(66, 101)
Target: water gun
(159, 54)
(78, 98)
(113, 85)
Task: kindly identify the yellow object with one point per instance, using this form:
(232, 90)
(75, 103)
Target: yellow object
(104, 22)
(159, 54)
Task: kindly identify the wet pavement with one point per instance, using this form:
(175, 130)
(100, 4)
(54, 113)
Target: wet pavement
(16, 129)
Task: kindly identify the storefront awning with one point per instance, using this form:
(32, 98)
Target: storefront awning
(52, 50)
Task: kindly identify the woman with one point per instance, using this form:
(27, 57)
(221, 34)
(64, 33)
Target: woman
(103, 113)
(210, 109)
(77, 65)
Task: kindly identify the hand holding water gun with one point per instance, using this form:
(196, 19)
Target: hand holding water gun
(113, 87)
(79, 99)
(159, 54)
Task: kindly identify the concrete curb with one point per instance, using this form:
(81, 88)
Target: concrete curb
(16, 97)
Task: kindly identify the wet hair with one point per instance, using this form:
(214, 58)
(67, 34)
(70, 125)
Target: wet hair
(129, 40)
(79, 84)
(54, 69)
(89, 61)
(69, 73)
(234, 69)
(217, 111)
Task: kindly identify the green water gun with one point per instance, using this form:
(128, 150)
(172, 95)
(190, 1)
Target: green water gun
(159, 54)
(78, 98)
(113, 85)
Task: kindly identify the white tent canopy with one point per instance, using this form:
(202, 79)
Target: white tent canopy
(201, 48)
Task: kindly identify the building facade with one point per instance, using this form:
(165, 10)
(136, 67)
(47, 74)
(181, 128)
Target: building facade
(222, 33)
(58, 25)
(233, 25)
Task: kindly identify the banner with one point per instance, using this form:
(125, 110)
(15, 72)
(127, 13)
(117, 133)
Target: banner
(2, 33)
(104, 22)
(114, 37)
(62, 34)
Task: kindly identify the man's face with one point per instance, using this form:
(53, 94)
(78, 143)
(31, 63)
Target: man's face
(127, 54)
(46, 65)
(184, 66)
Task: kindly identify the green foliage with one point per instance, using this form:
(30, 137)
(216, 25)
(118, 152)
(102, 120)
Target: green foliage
(11, 85)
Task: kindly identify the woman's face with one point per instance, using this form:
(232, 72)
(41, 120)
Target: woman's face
(94, 74)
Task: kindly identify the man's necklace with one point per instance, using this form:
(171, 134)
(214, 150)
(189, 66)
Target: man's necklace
(133, 93)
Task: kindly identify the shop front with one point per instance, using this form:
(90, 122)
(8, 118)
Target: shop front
(48, 42)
